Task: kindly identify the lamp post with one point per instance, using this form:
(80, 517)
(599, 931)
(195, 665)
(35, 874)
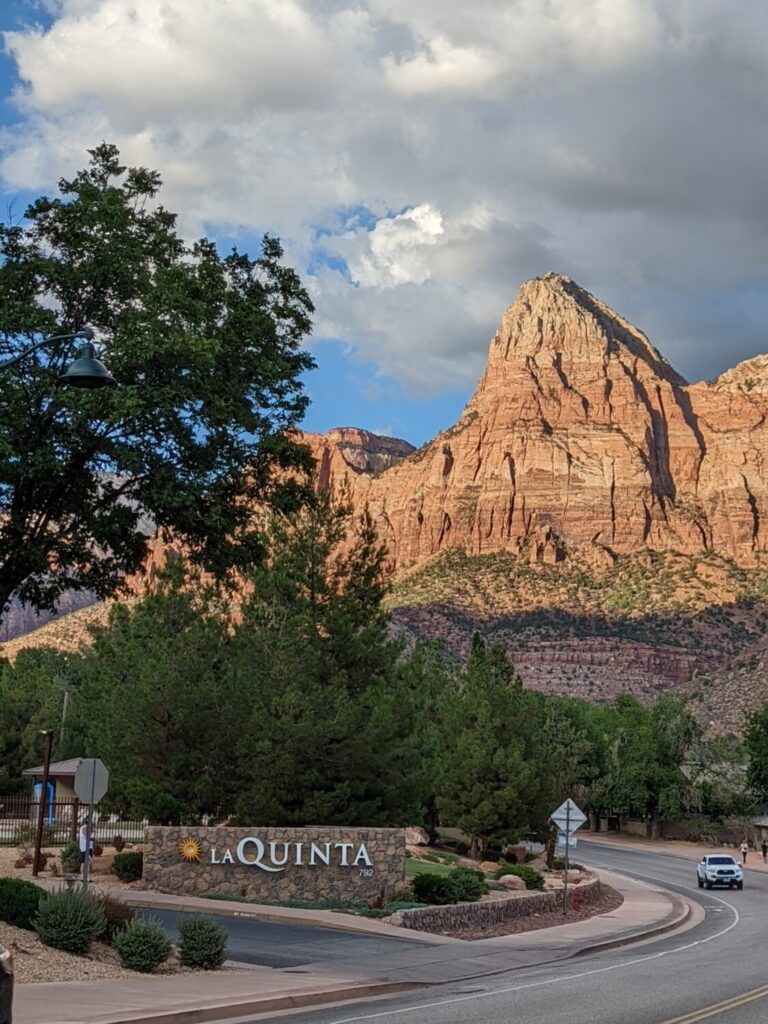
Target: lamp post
(85, 372)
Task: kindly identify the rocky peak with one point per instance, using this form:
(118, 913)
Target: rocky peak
(554, 320)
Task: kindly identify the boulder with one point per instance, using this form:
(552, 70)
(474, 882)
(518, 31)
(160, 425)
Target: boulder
(487, 865)
(573, 877)
(511, 882)
(415, 835)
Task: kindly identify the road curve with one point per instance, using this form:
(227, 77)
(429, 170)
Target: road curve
(714, 972)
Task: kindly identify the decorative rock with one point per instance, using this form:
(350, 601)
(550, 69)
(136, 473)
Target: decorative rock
(487, 865)
(415, 835)
(511, 882)
(573, 876)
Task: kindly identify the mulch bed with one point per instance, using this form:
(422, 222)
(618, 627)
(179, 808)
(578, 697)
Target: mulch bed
(607, 901)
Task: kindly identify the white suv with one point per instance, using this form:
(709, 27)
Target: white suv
(719, 869)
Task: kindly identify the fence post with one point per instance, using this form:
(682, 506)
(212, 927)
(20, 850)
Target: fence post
(73, 823)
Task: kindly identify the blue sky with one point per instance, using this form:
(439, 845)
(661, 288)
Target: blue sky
(420, 160)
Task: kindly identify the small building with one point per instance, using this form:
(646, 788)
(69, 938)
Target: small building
(761, 827)
(61, 778)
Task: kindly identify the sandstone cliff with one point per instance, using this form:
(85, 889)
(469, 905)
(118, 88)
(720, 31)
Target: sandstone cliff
(581, 436)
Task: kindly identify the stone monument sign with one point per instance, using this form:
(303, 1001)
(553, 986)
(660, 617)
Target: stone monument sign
(275, 863)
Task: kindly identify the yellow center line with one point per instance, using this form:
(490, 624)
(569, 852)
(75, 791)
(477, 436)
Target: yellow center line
(717, 1008)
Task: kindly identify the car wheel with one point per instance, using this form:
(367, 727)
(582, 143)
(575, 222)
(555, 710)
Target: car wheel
(701, 884)
(739, 885)
(708, 884)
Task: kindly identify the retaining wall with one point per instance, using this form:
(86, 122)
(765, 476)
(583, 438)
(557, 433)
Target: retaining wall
(457, 916)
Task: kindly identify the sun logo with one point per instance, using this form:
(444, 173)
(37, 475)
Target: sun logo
(190, 850)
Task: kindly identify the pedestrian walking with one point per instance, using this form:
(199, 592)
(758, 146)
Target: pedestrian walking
(744, 851)
(764, 850)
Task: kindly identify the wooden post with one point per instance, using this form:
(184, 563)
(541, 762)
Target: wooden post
(48, 733)
(73, 824)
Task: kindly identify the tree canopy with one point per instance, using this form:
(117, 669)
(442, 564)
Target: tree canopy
(207, 352)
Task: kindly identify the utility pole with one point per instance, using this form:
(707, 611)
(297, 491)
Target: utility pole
(48, 733)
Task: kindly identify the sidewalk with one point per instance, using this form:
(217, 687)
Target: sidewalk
(433, 960)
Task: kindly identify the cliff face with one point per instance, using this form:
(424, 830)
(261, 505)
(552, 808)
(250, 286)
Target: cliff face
(581, 437)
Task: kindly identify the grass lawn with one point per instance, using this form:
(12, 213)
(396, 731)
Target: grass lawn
(420, 867)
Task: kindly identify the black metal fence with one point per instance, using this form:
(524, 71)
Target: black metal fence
(19, 818)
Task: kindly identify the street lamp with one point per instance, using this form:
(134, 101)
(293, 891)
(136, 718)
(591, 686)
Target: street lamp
(86, 372)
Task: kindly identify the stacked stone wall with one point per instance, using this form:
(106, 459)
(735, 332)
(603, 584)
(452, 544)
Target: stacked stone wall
(457, 916)
(304, 875)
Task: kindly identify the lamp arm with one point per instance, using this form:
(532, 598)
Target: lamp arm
(86, 334)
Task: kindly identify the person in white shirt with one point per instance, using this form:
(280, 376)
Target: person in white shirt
(83, 844)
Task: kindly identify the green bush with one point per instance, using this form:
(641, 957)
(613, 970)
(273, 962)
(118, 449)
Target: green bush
(128, 866)
(469, 884)
(202, 943)
(19, 901)
(70, 858)
(142, 945)
(117, 914)
(434, 889)
(69, 919)
(531, 877)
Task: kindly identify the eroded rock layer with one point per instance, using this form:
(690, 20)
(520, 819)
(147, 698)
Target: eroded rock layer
(581, 436)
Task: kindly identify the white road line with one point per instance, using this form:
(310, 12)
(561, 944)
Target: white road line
(559, 980)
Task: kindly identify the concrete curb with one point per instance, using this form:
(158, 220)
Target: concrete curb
(232, 1011)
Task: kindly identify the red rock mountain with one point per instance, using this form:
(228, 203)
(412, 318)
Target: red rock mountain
(582, 437)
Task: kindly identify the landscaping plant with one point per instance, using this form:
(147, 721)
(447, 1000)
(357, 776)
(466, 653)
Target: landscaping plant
(142, 945)
(203, 943)
(128, 866)
(69, 919)
(469, 885)
(434, 889)
(117, 914)
(19, 901)
(70, 858)
(531, 877)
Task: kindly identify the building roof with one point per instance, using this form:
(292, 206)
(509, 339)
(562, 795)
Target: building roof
(761, 822)
(57, 768)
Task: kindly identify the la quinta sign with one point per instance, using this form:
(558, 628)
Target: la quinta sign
(274, 863)
(275, 855)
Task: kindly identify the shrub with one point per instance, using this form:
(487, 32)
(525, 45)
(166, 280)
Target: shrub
(128, 866)
(69, 919)
(118, 842)
(531, 877)
(19, 901)
(469, 884)
(70, 858)
(434, 889)
(462, 848)
(202, 943)
(117, 914)
(142, 945)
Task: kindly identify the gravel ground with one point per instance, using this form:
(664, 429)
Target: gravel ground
(607, 901)
(34, 962)
(100, 871)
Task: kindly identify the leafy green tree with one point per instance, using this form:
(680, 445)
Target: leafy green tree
(153, 703)
(331, 728)
(650, 746)
(488, 782)
(207, 353)
(34, 694)
(756, 749)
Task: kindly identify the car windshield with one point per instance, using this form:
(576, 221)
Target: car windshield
(720, 860)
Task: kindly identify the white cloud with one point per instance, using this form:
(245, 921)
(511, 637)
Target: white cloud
(615, 140)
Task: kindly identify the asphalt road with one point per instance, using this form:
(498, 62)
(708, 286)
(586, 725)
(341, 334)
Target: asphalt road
(716, 971)
(292, 946)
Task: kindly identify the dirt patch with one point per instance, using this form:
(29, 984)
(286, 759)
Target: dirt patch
(607, 901)
(100, 871)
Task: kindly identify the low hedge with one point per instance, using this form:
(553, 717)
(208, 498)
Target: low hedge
(19, 902)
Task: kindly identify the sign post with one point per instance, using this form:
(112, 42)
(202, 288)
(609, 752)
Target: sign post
(91, 782)
(568, 818)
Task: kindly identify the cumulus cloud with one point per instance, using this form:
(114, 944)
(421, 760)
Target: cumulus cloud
(615, 140)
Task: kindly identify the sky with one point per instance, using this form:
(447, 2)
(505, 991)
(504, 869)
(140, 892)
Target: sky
(420, 160)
